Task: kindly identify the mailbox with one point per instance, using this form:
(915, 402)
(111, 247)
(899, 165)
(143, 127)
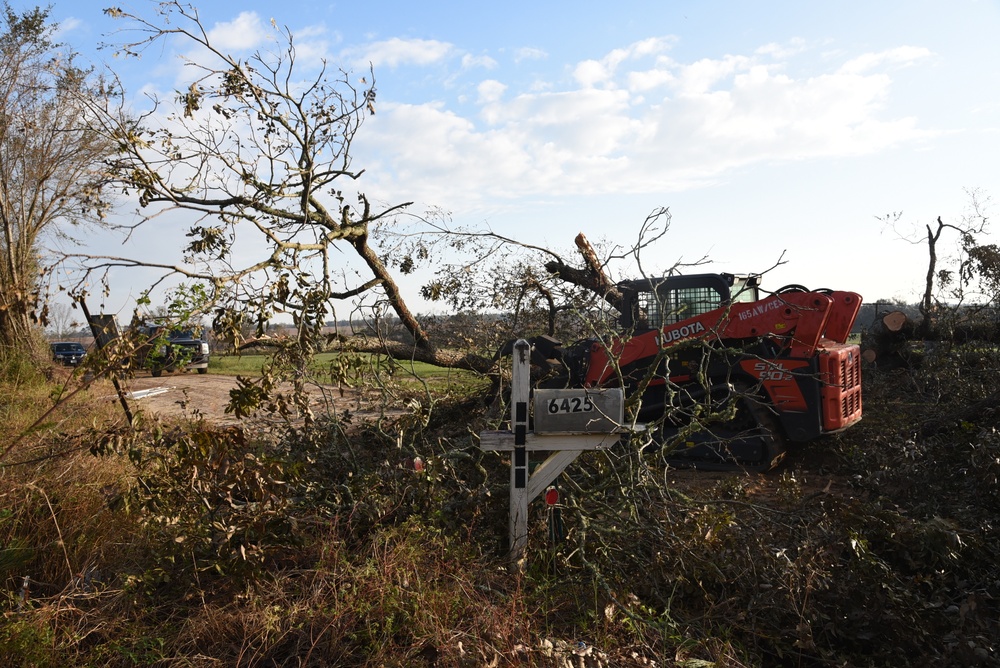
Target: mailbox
(583, 411)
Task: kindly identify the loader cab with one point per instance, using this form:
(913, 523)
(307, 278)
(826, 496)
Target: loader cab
(653, 303)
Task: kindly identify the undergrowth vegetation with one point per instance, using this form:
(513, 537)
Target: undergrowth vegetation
(383, 543)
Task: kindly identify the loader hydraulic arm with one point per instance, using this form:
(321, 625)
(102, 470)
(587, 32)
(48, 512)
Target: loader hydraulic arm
(801, 319)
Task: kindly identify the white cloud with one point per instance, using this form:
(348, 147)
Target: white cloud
(702, 75)
(712, 115)
(244, 32)
(428, 153)
(69, 25)
(529, 53)
(900, 56)
(490, 91)
(590, 73)
(758, 116)
(395, 52)
(649, 79)
(471, 62)
(782, 51)
(312, 47)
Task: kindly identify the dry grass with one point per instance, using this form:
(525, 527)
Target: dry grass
(60, 534)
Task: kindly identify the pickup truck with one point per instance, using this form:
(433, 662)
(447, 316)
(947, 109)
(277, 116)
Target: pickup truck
(170, 349)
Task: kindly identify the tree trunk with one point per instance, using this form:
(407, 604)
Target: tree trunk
(392, 293)
(927, 303)
(399, 351)
(17, 329)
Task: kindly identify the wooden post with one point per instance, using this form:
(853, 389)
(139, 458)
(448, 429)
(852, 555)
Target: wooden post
(520, 395)
(564, 447)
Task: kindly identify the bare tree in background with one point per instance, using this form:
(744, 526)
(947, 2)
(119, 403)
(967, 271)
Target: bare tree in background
(51, 172)
(972, 272)
(63, 319)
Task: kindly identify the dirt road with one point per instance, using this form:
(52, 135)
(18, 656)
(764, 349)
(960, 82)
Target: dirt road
(190, 394)
(183, 393)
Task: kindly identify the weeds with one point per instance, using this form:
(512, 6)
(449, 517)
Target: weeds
(193, 544)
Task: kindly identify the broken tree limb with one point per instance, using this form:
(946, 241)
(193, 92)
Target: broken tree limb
(970, 413)
(592, 277)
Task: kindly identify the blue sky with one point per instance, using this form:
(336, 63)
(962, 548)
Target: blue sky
(767, 128)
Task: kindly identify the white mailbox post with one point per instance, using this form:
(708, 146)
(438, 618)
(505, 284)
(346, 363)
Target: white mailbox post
(566, 422)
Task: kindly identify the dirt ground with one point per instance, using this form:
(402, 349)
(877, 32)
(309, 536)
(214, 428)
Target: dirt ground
(191, 394)
(179, 394)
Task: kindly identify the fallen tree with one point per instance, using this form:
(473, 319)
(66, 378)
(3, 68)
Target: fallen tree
(260, 157)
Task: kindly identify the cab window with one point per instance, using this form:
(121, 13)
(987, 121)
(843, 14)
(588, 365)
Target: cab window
(671, 306)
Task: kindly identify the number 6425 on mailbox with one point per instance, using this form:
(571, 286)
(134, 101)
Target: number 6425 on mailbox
(581, 411)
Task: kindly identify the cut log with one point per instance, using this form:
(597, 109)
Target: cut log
(894, 321)
(886, 344)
